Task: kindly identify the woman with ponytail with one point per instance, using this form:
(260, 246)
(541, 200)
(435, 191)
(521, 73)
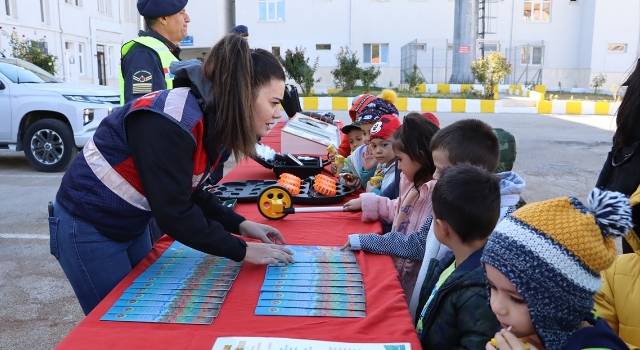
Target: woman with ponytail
(151, 157)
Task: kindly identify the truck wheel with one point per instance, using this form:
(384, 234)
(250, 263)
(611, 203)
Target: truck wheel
(48, 145)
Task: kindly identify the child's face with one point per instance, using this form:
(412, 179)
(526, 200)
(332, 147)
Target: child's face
(408, 166)
(508, 305)
(356, 138)
(441, 161)
(366, 128)
(382, 150)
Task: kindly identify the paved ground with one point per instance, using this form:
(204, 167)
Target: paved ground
(557, 156)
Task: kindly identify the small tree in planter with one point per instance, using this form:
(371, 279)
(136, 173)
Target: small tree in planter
(31, 51)
(489, 71)
(413, 79)
(368, 76)
(347, 71)
(298, 69)
(597, 82)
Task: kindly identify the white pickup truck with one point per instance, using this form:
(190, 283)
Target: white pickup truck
(47, 118)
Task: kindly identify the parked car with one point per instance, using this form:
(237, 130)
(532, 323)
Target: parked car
(46, 118)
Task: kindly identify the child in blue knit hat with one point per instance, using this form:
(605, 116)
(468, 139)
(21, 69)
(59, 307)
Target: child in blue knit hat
(543, 265)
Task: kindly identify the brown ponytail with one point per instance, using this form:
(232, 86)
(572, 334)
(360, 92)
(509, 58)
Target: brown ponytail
(236, 74)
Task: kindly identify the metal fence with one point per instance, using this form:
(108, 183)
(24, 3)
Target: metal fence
(434, 61)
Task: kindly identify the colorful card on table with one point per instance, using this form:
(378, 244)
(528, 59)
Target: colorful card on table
(212, 296)
(312, 289)
(313, 277)
(285, 311)
(157, 303)
(183, 286)
(212, 273)
(165, 311)
(309, 304)
(320, 268)
(216, 296)
(151, 287)
(318, 283)
(347, 298)
(208, 260)
(190, 279)
(126, 317)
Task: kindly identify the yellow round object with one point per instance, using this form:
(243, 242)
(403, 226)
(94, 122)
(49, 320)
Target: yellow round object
(272, 201)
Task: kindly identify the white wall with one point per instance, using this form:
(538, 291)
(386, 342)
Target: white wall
(615, 22)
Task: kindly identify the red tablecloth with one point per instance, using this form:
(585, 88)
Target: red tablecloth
(387, 317)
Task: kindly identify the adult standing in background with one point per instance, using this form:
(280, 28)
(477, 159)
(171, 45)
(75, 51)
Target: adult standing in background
(145, 60)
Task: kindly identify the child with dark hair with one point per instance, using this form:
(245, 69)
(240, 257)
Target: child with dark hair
(411, 208)
(465, 141)
(543, 265)
(453, 302)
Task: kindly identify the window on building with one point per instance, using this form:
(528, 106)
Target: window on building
(537, 10)
(271, 10)
(275, 50)
(81, 58)
(74, 2)
(130, 10)
(44, 12)
(376, 53)
(616, 47)
(104, 6)
(421, 47)
(531, 55)
(323, 46)
(10, 8)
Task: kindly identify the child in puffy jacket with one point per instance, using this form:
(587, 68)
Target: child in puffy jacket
(411, 208)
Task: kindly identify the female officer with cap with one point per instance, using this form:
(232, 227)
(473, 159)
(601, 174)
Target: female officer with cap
(150, 159)
(145, 60)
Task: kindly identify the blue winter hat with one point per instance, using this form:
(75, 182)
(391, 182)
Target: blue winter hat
(240, 30)
(376, 109)
(160, 8)
(553, 253)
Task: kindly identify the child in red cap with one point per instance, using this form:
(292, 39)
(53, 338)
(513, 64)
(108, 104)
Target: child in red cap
(381, 136)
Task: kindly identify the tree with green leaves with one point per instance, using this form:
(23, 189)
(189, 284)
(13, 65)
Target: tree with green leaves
(597, 82)
(368, 76)
(413, 78)
(489, 71)
(347, 71)
(298, 69)
(31, 51)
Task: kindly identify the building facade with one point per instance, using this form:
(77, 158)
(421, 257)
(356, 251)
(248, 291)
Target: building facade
(550, 42)
(85, 35)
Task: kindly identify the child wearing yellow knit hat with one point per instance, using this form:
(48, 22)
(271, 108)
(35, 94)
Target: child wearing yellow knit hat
(543, 266)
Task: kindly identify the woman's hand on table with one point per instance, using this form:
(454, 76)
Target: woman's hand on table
(262, 254)
(346, 246)
(352, 181)
(353, 205)
(265, 233)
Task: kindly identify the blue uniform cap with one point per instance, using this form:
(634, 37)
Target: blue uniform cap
(240, 30)
(160, 8)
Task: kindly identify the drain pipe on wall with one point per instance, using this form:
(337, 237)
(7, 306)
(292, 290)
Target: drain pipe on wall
(513, 13)
(350, 23)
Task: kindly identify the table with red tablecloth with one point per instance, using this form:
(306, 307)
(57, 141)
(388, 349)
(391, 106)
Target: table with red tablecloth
(387, 317)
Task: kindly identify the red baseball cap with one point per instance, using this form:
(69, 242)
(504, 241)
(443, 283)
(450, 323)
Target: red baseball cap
(385, 127)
